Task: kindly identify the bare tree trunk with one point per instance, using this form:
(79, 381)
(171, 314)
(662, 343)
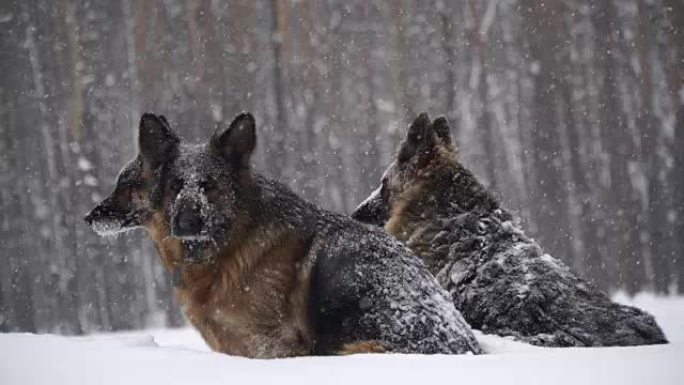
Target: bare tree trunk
(478, 38)
(675, 17)
(658, 198)
(278, 20)
(623, 235)
(550, 210)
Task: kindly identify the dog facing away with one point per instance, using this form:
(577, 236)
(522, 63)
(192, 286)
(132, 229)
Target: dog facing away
(502, 281)
(262, 273)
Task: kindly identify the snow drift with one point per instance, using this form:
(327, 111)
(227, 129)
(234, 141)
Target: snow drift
(180, 357)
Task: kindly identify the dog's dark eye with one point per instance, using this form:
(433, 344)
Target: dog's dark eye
(177, 185)
(124, 194)
(132, 188)
(208, 184)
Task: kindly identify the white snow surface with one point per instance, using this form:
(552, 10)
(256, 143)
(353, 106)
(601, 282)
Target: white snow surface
(181, 357)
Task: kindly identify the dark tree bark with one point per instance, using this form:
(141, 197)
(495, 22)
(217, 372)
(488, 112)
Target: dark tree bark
(656, 215)
(280, 121)
(543, 29)
(674, 14)
(622, 220)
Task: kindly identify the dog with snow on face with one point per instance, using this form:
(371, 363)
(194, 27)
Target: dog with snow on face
(502, 281)
(128, 207)
(262, 273)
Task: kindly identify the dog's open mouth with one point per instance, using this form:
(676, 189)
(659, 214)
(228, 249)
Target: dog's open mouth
(111, 226)
(107, 227)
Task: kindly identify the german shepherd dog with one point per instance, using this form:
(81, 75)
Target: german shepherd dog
(502, 281)
(262, 273)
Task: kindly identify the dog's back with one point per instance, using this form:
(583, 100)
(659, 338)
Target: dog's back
(506, 284)
(502, 281)
(367, 286)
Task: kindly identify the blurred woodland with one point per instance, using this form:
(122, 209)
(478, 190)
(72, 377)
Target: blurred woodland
(571, 111)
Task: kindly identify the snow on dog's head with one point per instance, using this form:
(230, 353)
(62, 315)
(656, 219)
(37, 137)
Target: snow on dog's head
(203, 189)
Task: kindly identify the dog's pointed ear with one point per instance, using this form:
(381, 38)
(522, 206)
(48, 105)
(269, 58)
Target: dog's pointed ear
(417, 138)
(165, 121)
(236, 142)
(440, 127)
(156, 141)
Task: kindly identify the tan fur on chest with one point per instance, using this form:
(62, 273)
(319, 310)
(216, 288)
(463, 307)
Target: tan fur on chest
(404, 214)
(253, 300)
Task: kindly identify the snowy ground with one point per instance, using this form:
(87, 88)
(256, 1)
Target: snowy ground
(180, 357)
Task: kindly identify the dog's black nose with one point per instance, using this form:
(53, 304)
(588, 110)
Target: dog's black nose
(188, 222)
(90, 217)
